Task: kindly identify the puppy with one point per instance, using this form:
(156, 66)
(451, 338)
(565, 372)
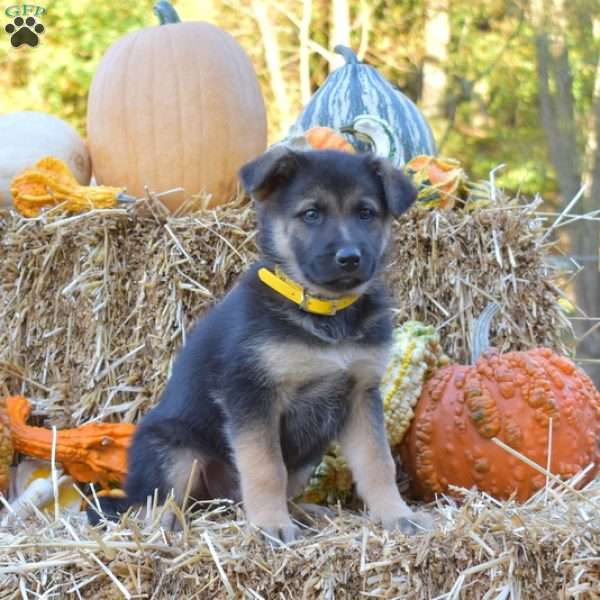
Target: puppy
(292, 357)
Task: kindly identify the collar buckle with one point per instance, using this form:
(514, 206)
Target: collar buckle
(334, 308)
(331, 309)
(304, 298)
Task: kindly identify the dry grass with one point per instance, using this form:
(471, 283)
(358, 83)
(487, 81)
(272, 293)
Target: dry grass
(447, 266)
(92, 310)
(93, 307)
(545, 549)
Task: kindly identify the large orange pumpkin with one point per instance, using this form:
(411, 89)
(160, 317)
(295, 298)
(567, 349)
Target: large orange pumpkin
(510, 397)
(176, 105)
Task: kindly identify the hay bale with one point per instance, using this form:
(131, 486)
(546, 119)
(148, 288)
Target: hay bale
(93, 307)
(545, 549)
(92, 310)
(447, 266)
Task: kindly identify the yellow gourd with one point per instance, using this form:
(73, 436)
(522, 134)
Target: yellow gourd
(416, 352)
(27, 136)
(50, 182)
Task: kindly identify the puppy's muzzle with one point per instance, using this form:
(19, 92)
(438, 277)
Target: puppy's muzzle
(348, 258)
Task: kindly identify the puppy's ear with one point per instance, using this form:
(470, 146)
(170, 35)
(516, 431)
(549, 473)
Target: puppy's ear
(398, 189)
(270, 170)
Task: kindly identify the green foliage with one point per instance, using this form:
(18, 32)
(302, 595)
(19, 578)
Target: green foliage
(492, 107)
(56, 75)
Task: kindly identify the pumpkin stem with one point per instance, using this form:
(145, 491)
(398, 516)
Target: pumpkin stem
(165, 12)
(347, 53)
(481, 333)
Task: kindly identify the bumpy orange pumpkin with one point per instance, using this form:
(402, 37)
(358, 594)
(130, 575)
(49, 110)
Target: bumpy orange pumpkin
(324, 138)
(511, 397)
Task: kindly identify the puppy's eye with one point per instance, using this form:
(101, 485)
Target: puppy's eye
(366, 214)
(312, 215)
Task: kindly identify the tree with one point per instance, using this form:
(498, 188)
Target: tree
(435, 77)
(575, 157)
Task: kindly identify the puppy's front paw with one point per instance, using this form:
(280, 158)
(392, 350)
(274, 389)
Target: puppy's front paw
(276, 529)
(281, 533)
(412, 523)
(302, 510)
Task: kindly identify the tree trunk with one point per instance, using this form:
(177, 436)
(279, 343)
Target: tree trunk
(558, 121)
(365, 29)
(305, 91)
(587, 242)
(339, 32)
(437, 38)
(273, 60)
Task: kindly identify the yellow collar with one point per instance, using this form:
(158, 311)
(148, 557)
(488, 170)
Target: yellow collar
(296, 293)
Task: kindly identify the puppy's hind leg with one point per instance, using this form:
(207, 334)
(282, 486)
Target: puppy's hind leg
(298, 480)
(185, 478)
(164, 461)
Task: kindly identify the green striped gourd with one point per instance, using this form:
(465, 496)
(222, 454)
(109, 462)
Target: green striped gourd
(359, 90)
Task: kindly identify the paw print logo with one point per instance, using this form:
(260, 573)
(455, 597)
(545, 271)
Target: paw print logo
(24, 31)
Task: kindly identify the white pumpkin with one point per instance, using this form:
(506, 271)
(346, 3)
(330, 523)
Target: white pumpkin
(27, 136)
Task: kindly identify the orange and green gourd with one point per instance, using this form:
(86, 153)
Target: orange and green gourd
(443, 184)
(438, 180)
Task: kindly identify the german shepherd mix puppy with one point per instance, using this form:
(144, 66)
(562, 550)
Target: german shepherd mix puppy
(292, 357)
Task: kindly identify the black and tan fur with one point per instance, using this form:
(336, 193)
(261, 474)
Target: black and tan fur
(262, 387)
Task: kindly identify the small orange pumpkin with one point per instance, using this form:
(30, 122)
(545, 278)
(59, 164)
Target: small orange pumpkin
(511, 397)
(324, 138)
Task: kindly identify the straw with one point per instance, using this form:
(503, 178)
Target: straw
(481, 546)
(94, 307)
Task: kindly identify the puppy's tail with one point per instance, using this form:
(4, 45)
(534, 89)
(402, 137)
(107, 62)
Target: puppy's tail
(112, 507)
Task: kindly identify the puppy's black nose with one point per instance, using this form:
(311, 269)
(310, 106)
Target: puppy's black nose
(348, 258)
